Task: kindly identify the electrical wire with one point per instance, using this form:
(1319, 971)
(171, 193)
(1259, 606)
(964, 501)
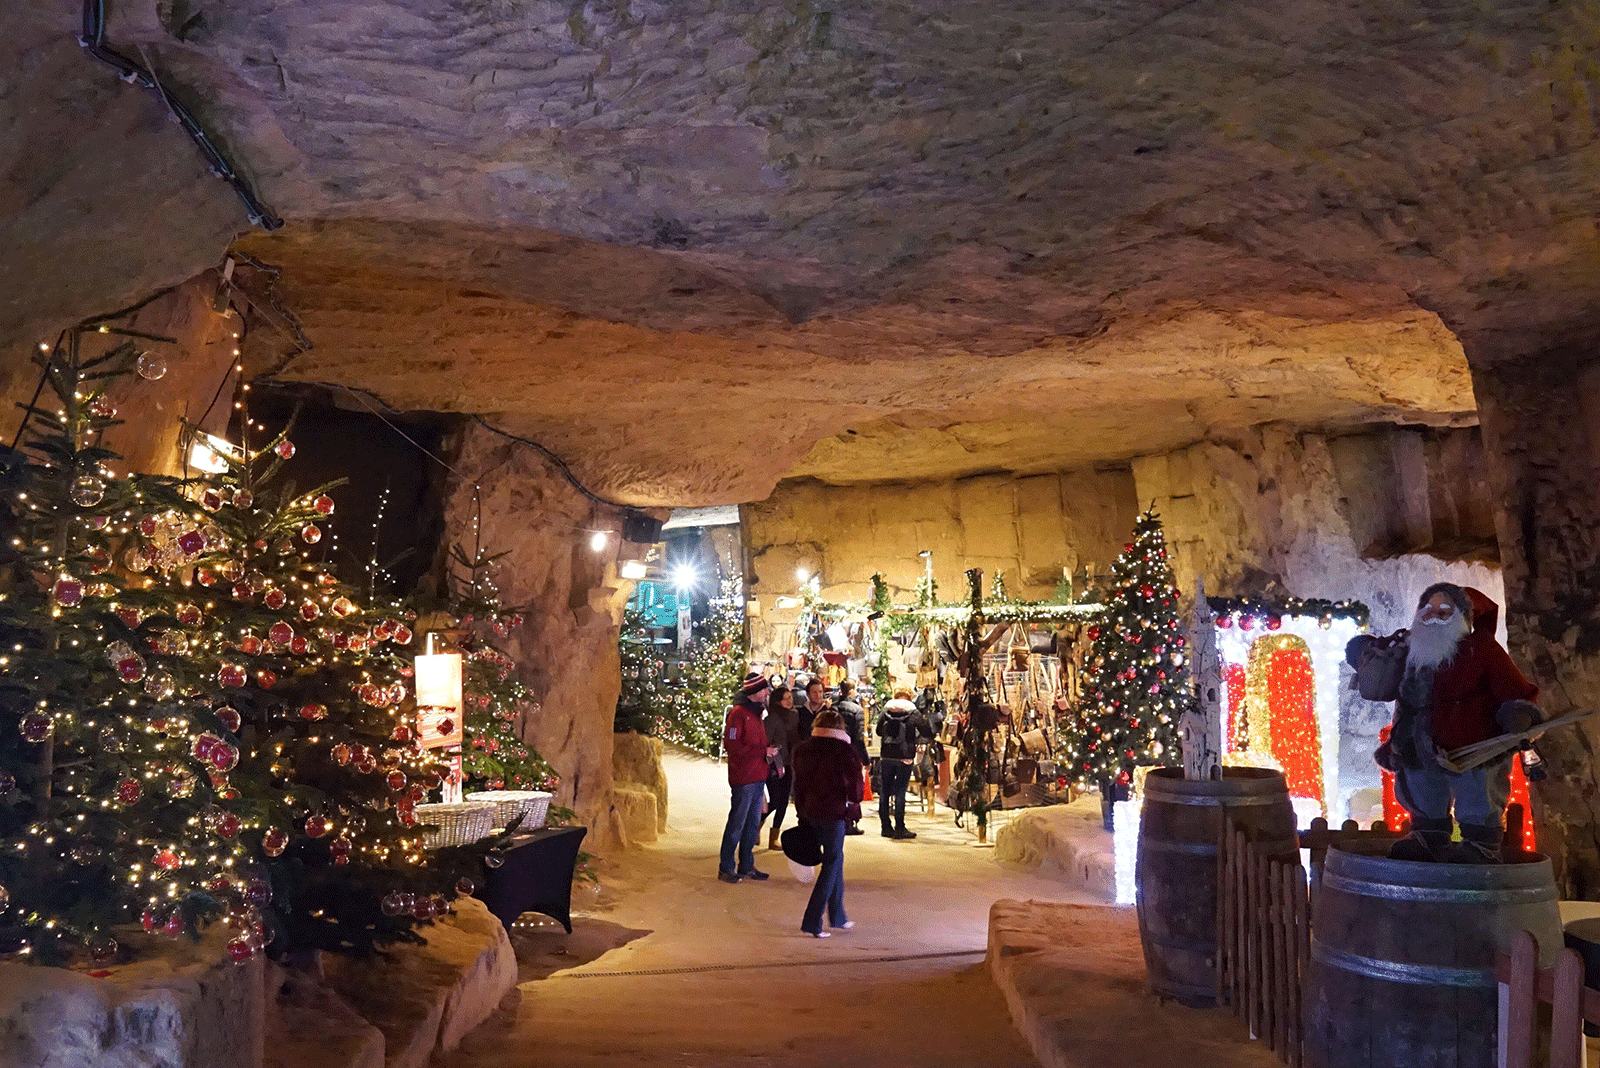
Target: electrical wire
(93, 41)
(556, 461)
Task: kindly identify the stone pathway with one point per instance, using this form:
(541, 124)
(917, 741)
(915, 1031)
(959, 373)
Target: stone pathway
(736, 983)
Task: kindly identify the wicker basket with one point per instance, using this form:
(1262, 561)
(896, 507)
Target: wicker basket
(532, 805)
(457, 824)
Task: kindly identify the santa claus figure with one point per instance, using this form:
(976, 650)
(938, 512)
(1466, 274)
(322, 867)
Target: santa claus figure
(1459, 687)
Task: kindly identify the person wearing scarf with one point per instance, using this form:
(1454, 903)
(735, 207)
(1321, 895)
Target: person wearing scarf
(828, 788)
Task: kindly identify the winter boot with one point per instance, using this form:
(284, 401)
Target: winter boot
(1478, 845)
(1426, 841)
(774, 841)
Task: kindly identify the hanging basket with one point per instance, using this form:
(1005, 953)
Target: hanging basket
(455, 824)
(532, 805)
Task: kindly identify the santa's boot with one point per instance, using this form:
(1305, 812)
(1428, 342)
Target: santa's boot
(1426, 841)
(1478, 845)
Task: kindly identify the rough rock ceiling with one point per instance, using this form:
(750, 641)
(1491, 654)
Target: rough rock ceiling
(696, 245)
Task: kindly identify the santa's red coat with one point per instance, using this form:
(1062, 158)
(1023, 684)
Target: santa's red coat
(1469, 690)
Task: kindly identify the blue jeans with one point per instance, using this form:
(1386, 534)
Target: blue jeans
(744, 826)
(829, 888)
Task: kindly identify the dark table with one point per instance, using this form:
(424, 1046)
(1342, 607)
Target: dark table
(536, 876)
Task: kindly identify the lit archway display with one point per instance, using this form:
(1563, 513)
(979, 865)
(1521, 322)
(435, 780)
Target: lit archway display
(1280, 702)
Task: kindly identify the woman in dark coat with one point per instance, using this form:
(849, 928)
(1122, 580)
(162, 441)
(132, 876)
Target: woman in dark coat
(827, 794)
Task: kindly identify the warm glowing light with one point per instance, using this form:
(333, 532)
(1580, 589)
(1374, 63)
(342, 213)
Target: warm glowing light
(634, 569)
(685, 577)
(597, 541)
(211, 454)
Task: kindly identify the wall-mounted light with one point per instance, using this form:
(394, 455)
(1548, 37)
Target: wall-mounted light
(685, 577)
(801, 575)
(597, 540)
(211, 454)
(634, 569)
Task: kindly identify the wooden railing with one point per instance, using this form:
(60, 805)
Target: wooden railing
(1263, 941)
(1527, 987)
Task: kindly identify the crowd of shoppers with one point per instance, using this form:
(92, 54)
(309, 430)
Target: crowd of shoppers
(808, 746)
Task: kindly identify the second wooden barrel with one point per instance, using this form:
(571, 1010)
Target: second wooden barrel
(1403, 955)
(1180, 824)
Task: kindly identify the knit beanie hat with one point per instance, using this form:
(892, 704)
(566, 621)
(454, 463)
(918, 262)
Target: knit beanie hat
(754, 683)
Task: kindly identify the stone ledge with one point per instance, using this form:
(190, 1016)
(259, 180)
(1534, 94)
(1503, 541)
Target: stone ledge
(182, 1005)
(1073, 980)
(1065, 840)
(426, 998)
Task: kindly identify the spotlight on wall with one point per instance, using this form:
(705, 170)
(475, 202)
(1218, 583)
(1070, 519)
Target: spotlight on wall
(633, 569)
(211, 454)
(801, 575)
(597, 540)
(685, 577)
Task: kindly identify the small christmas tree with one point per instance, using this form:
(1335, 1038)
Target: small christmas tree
(711, 676)
(1136, 685)
(642, 701)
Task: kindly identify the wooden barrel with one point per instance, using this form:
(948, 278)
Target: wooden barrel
(1402, 958)
(1180, 825)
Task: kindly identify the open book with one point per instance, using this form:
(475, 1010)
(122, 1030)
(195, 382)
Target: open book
(1480, 753)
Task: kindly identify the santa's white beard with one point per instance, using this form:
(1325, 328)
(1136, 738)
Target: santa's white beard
(1433, 645)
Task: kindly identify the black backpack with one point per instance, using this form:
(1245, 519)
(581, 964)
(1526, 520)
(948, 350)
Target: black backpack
(896, 731)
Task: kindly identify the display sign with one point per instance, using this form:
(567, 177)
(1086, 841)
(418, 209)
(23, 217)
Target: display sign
(438, 726)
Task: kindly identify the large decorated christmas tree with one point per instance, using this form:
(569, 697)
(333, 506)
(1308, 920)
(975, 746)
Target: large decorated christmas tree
(199, 721)
(1136, 684)
(642, 699)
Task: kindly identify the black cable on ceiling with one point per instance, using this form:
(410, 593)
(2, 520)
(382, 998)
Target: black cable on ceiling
(93, 40)
(556, 461)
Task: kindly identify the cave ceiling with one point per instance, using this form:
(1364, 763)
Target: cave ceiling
(699, 247)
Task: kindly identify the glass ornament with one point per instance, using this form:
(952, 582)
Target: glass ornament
(284, 448)
(231, 675)
(323, 504)
(67, 591)
(160, 685)
(274, 842)
(103, 407)
(311, 533)
(128, 791)
(250, 645)
(182, 783)
(313, 712)
(394, 904)
(341, 754)
(276, 599)
(103, 949)
(87, 491)
(229, 717)
(130, 668)
(36, 727)
(343, 607)
(310, 610)
(280, 633)
(152, 366)
(266, 679)
(243, 498)
(240, 950)
(317, 826)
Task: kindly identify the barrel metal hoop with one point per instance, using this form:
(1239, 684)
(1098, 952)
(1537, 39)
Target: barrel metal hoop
(1214, 800)
(1397, 972)
(1159, 845)
(1528, 895)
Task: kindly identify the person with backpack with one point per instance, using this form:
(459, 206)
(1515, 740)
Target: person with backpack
(900, 728)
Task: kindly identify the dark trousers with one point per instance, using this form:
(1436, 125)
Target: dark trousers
(828, 890)
(896, 777)
(778, 787)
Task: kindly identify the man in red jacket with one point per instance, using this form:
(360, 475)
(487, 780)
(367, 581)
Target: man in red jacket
(744, 742)
(1459, 687)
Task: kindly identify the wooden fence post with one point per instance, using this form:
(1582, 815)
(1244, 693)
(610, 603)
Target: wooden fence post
(1516, 1026)
(1566, 1017)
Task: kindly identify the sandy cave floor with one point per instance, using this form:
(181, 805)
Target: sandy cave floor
(810, 1002)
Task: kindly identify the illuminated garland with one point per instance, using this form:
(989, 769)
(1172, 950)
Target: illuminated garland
(1251, 611)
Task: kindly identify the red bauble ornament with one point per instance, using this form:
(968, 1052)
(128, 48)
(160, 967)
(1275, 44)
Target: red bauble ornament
(300, 647)
(147, 920)
(1147, 591)
(188, 615)
(396, 780)
(228, 826)
(1274, 622)
(223, 757)
(1247, 623)
(340, 846)
(67, 591)
(173, 928)
(131, 617)
(317, 826)
(148, 526)
(323, 504)
(311, 533)
(284, 448)
(266, 679)
(242, 591)
(167, 860)
(130, 668)
(1224, 622)
(128, 791)
(231, 675)
(192, 542)
(402, 635)
(343, 606)
(402, 733)
(274, 842)
(309, 610)
(276, 599)
(341, 754)
(1094, 634)
(228, 716)
(240, 950)
(313, 711)
(204, 577)
(341, 640)
(250, 645)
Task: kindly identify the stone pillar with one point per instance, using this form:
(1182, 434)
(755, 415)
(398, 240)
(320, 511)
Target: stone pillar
(572, 601)
(1541, 424)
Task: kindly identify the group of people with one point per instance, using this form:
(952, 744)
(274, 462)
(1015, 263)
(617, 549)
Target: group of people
(808, 747)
